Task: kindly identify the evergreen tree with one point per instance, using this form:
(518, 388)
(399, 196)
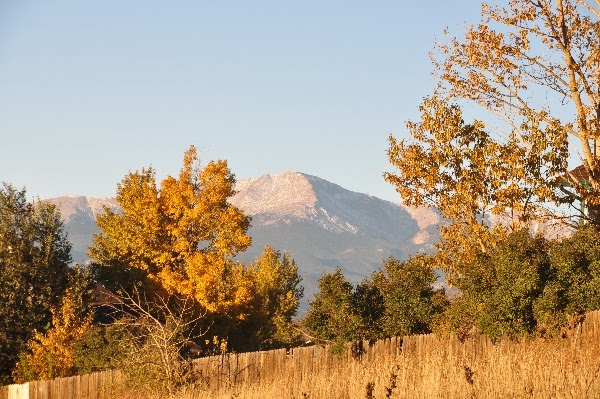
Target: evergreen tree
(34, 271)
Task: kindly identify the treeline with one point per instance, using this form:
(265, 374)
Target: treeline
(523, 287)
(163, 286)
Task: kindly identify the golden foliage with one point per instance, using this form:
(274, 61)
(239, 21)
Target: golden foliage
(527, 64)
(277, 295)
(51, 354)
(469, 176)
(181, 236)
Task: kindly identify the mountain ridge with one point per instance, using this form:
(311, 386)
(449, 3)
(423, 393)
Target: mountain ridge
(319, 223)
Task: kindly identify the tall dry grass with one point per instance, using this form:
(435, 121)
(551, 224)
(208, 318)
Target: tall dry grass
(424, 366)
(432, 367)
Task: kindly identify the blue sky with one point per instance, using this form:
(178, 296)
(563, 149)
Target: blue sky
(91, 90)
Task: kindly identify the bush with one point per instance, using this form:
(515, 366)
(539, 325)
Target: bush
(411, 305)
(574, 284)
(527, 285)
(500, 287)
(101, 348)
(397, 300)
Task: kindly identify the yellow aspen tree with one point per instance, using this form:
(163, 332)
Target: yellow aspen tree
(179, 236)
(461, 170)
(51, 355)
(535, 61)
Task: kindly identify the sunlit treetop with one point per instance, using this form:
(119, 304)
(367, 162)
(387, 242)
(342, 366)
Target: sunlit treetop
(181, 234)
(533, 68)
(534, 64)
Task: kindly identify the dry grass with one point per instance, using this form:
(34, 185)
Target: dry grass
(441, 368)
(423, 366)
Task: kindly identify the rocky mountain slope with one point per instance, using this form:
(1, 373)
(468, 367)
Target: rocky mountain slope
(79, 215)
(320, 224)
(324, 226)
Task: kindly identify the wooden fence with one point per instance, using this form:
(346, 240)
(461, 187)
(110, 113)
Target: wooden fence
(103, 385)
(574, 360)
(225, 371)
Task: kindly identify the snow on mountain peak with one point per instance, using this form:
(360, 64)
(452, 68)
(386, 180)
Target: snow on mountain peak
(288, 193)
(320, 224)
(278, 198)
(78, 204)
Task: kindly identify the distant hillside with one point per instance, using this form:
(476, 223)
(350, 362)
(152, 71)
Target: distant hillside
(324, 226)
(320, 224)
(79, 215)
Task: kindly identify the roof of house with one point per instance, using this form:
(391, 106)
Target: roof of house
(580, 173)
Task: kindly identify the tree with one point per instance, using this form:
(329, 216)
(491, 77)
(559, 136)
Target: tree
(462, 171)
(181, 239)
(331, 315)
(368, 304)
(34, 271)
(574, 284)
(502, 286)
(277, 293)
(411, 304)
(150, 340)
(157, 332)
(51, 354)
(177, 239)
(527, 285)
(397, 300)
(525, 63)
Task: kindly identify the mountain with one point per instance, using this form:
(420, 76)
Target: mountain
(324, 226)
(320, 224)
(79, 215)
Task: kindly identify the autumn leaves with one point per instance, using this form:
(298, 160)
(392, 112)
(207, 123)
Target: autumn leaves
(181, 236)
